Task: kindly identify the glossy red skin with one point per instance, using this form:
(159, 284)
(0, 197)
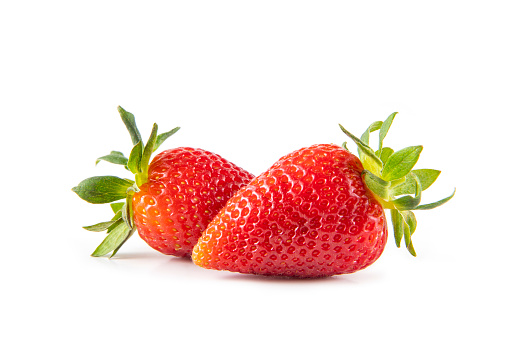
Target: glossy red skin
(186, 188)
(309, 215)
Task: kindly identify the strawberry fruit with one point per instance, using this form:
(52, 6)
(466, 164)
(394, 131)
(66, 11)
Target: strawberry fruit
(171, 201)
(319, 211)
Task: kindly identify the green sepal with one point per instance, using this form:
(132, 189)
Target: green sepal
(408, 202)
(142, 175)
(163, 136)
(113, 240)
(134, 162)
(118, 214)
(345, 147)
(102, 226)
(114, 157)
(368, 157)
(384, 129)
(385, 154)
(435, 204)
(426, 176)
(404, 225)
(410, 220)
(372, 128)
(408, 240)
(130, 124)
(116, 206)
(102, 189)
(377, 185)
(397, 223)
(401, 163)
(390, 177)
(131, 232)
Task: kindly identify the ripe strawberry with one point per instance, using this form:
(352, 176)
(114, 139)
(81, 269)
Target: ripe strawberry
(172, 200)
(186, 188)
(318, 211)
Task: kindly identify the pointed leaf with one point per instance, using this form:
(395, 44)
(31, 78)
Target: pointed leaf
(114, 157)
(118, 215)
(116, 206)
(113, 240)
(406, 233)
(131, 232)
(102, 189)
(385, 153)
(408, 202)
(374, 161)
(134, 162)
(426, 176)
(410, 220)
(149, 148)
(378, 186)
(142, 175)
(102, 226)
(411, 249)
(397, 223)
(372, 128)
(384, 129)
(435, 204)
(130, 123)
(401, 163)
(408, 230)
(162, 137)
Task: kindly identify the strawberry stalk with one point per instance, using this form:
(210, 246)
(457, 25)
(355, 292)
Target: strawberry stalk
(111, 189)
(393, 181)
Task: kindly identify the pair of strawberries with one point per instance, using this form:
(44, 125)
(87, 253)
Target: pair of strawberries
(318, 211)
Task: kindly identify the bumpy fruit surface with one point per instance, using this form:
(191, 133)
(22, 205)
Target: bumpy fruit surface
(309, 215)
(186, 188)
(319, 211)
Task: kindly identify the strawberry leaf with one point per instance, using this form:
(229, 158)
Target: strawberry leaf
(131, 232)
(130, 123)
(397, 223)
(102, 226)
(114, 157)
(385, 154)
(113, 240)
(408, 240)
(401, 163)
(384, 129)
(377, 185)
(142, 175)
(372, 128)
(435, 204)
(367, 155)
(102, 189)
(134, 162)
(116, 206)
(410, 220)
(426, 176)
(163, 136)
(118, 215)
(408, 202)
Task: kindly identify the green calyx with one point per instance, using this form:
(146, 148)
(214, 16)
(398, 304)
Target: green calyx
(111, 189)
(393, 181)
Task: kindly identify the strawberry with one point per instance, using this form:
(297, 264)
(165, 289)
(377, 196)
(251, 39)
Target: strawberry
(319, 211)
(171, 201)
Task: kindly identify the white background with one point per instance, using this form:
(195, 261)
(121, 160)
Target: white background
(251, 81)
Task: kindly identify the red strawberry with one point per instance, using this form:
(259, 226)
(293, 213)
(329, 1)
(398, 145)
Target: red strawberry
(186, 188)
(318, 211)
(172, 200)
